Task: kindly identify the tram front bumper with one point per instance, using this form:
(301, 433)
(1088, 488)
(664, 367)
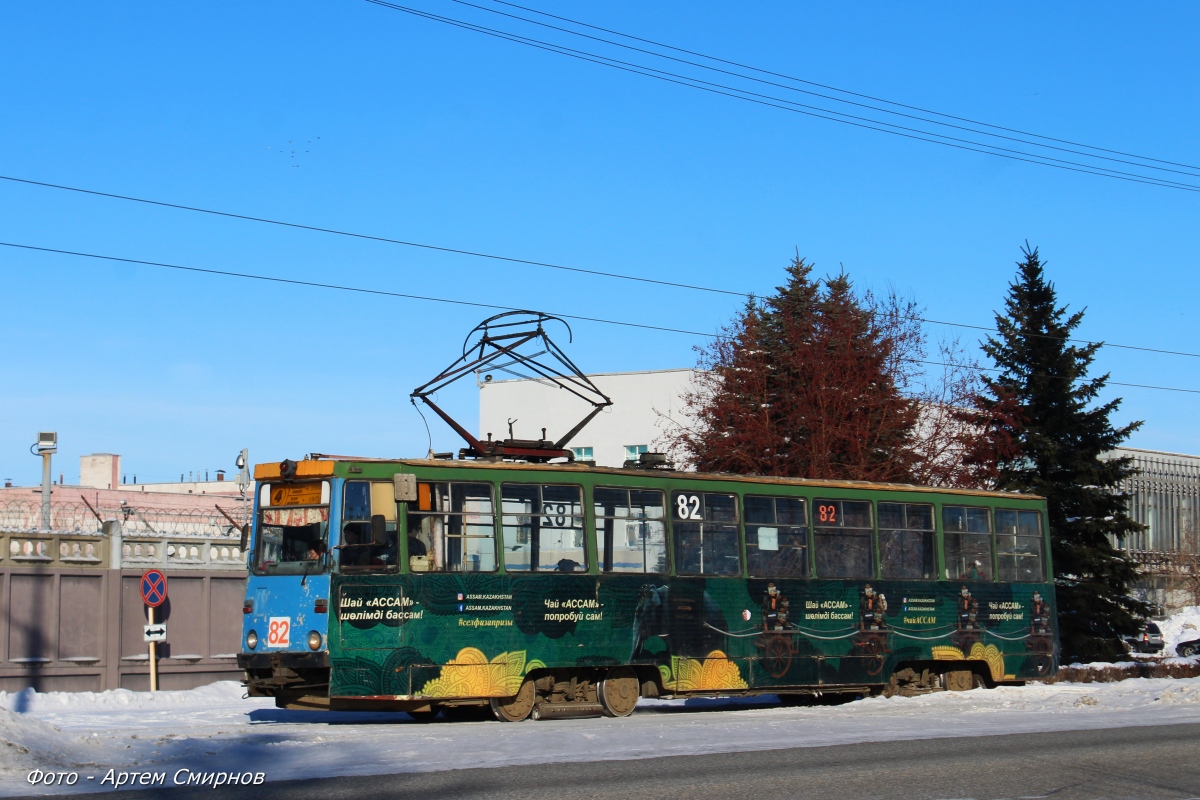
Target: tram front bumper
(257, 661)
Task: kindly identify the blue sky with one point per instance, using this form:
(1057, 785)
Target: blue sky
(349, 115)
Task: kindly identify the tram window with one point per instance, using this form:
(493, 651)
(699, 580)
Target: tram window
(1019, 546)
(631, 530)
(293, 529)
(967, 534)
(907, 550)
(452, 528)
(705, 528)
(776, 537)
(543, 528)
(362, 500)
(842, 534)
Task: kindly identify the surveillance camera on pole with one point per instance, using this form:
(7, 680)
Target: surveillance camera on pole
(243, 464)
(46, 446)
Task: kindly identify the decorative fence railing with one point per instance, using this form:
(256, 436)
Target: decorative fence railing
(128, 535)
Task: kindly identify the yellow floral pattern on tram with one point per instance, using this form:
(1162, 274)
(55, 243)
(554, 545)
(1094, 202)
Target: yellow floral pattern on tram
(990, 654)
(470, 674)
(715, 671)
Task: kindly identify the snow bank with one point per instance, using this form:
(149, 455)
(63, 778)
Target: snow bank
(1180, 628)
(26, 743)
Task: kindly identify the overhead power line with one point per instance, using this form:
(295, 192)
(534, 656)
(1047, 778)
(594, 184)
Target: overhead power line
(508, 259)
(366, 236)
(784, 104)
(806, 82)
(425, 298)
(335, 286)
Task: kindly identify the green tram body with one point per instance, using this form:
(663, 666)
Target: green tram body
(403, 637)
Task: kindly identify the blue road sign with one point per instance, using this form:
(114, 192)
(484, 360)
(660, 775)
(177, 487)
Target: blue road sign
(154, 588)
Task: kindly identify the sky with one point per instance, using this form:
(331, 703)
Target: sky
(363, 118)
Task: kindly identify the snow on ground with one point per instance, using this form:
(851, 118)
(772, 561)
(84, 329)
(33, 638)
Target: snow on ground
(213, 728)
(1180, 627)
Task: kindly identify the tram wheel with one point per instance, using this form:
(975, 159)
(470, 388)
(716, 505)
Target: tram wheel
(962, 680)
(619, 692)
(517, 707)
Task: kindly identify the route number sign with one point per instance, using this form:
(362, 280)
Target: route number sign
(279, 631)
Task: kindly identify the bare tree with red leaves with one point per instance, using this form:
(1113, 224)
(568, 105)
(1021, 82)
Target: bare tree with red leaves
(820, 382)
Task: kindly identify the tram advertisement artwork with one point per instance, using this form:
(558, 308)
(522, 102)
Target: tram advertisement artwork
(799, 633)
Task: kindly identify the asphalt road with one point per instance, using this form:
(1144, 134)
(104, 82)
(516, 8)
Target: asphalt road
(1149, 762)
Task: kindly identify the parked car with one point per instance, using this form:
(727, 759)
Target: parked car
(1150, 640)
(1188, 649)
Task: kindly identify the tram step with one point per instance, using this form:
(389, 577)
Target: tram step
(565, 710)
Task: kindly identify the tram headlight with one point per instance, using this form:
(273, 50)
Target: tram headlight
(252, 640)
(314, 640)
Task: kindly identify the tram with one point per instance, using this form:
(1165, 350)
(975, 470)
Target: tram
(543, 589)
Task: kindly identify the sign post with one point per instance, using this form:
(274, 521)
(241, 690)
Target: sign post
(154, 593)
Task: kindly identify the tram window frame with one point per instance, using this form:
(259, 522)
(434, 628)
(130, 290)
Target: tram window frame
(832, 538)
(534, 525)
(605, 526)
(1017, 550)
(896, 533)
(968, 534)
(357, 551)
(309, 523)
(718, 520)
(761, 514)
(463, 527)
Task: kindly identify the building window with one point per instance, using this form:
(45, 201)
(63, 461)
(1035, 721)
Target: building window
(583, 454)
(632, 451)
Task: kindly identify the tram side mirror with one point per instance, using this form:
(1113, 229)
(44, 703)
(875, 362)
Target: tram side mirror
(405, 487)
(245, 537)
(378, 530)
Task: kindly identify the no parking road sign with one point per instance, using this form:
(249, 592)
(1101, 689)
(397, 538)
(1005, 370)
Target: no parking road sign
(154, 588)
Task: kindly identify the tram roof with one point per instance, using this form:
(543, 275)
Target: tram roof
(268, 470)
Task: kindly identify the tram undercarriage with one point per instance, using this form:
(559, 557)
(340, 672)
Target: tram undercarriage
(302, 683)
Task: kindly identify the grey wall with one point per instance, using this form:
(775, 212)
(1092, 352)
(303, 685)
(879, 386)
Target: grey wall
(65, 629)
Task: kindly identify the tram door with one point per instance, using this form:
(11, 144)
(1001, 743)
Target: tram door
(371, 601)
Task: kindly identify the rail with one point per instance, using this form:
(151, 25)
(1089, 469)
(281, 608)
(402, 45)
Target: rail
(84, 535)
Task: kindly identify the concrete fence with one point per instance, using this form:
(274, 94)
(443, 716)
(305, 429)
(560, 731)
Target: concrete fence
(71, 613)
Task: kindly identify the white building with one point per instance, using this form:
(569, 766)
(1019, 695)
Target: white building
(644, 403)
(103, 471)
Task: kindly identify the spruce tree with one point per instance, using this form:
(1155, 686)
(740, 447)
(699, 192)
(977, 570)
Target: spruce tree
(1059, 435)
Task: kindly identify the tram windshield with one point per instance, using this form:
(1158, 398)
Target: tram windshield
(293, 529)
